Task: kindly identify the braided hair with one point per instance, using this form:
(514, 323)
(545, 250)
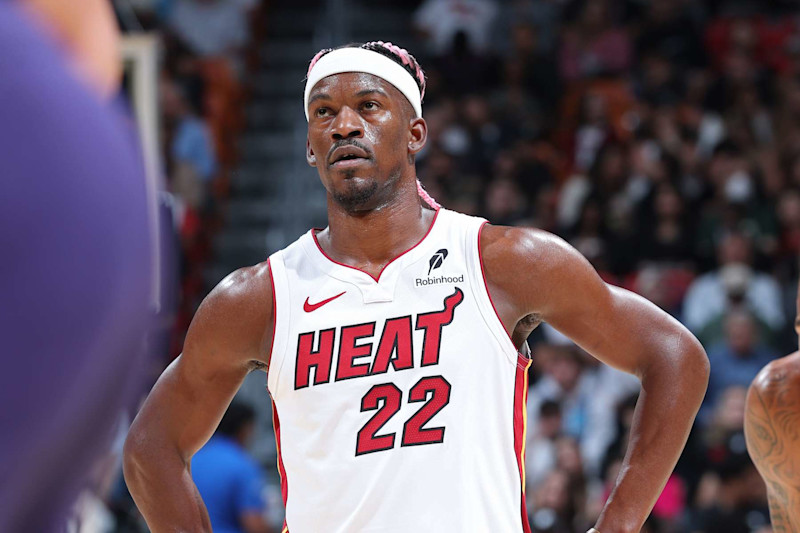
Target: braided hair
(402, 57)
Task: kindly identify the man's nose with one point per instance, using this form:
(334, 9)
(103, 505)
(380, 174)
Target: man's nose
(347, 124)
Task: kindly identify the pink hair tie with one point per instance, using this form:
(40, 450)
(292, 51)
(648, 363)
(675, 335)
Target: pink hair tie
(427, 198)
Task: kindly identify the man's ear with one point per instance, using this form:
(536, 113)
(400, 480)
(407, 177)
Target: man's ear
(417, 135)
(310, 157)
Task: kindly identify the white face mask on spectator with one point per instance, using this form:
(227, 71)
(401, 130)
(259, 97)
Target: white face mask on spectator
(739, 187)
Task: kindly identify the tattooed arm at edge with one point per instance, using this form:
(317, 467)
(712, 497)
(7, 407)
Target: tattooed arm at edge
(772, 429)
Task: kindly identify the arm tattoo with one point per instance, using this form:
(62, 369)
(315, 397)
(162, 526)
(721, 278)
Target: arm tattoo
(772, 428)
(777, 509)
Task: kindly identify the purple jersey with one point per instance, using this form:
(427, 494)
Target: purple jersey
(75, 276)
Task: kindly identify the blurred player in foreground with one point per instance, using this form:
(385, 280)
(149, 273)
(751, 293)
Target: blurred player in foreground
(75, 275)
(772, 430)
(434, 443)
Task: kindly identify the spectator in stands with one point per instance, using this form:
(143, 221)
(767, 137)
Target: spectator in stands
(484, 134)
(736, 203)
(193, 160)
(552, 507)
(726, 424)
(213, 28)
(670, 30)
(542, 15)
(540, 72)
(540, 452)
(563, 382)
(788, 210)
(594, 131)
(590, 235)
(464, 69)
(504, 202)
(585, 410)
(570, 460)
(737, 360)
(593, 45)
(229, 480)
(738, 503)
(439, 21)
(666, 236)
(734, 284)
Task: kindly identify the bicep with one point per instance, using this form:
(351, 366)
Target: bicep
(537, 274)
(616, 326)
(224, 343)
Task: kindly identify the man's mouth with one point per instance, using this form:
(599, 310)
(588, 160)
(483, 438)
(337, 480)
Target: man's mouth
(348, 156)
(349, 161)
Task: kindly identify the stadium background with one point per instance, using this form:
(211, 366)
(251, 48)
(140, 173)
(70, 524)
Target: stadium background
(659, 137)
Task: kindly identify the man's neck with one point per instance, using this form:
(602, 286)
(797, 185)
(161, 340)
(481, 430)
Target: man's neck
(370, 240)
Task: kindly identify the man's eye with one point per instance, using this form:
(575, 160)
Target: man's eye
(370, 106)
(322, 111)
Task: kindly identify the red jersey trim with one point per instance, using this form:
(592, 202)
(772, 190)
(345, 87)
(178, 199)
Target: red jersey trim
(274, 316)
(314, 236)
(486, 284)
(521, 428)
(281, 470)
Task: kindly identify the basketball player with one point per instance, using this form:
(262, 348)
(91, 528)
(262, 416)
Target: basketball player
(75, 274)
(772, 431)
(390, 340)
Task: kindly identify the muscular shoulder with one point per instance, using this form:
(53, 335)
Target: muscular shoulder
(506, 248)
(779, 378)
(236, 316)
(529, 261)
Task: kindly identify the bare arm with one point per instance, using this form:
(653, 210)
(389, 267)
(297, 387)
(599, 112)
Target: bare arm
(533, 273)
(228, 338)
(772, 430)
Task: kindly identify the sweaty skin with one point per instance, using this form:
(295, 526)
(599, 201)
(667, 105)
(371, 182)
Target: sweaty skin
(772, 430)
(374, 214)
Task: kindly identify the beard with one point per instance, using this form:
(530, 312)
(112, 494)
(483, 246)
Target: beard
(365, 194)
(356, 195)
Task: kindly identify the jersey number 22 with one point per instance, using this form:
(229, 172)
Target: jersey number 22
(413, 432)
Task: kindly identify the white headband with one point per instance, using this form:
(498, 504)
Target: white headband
(361, 60)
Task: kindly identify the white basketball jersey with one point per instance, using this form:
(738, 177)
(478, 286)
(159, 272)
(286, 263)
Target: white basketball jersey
(399, 401)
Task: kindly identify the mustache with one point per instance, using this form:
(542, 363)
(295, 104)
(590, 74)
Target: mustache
(348, 142)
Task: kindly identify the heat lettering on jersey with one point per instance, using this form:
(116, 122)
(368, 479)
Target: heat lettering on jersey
(319, 360)
(395, 346)
(395, 341)
(349, 351)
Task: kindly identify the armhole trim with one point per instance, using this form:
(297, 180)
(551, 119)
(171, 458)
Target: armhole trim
(274, 315)
(484, 301)
(280, 320)
(486, 284)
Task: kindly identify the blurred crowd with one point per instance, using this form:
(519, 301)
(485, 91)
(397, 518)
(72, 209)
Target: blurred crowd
(208, 47)
(661, 138)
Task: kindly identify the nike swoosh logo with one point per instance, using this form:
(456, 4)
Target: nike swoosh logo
(307, 307)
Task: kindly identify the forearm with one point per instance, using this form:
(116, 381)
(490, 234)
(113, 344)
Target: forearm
(670, 397)
(162, 487)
